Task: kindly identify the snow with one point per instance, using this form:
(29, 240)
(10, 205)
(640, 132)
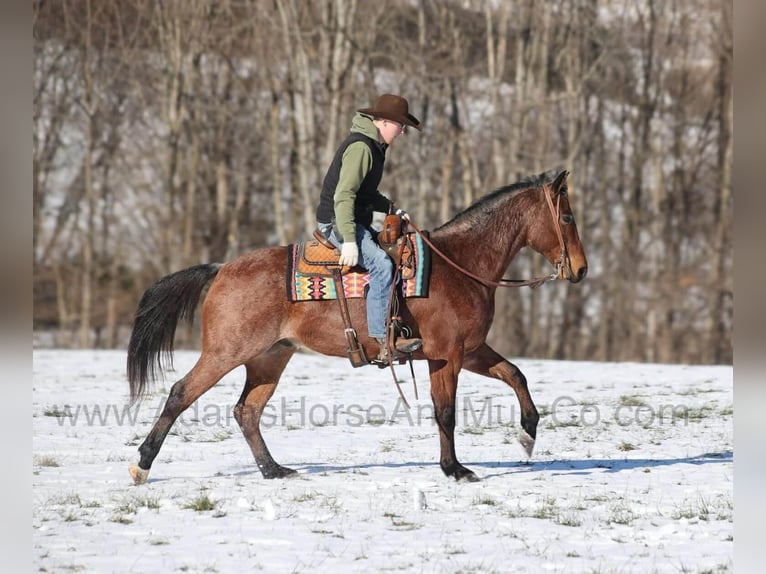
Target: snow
(632, 472)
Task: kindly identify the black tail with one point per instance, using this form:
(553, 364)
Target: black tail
(173, 297)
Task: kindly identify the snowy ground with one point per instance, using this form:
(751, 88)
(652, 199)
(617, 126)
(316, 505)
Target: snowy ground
(632, 472)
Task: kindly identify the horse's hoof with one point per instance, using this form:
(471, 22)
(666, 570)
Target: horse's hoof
(278, 471)
(527, 442)
(462, 474)
(468, 477)
(138, 474)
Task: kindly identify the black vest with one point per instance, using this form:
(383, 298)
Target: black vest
(367, 192)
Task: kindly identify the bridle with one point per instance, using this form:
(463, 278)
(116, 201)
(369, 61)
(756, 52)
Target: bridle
(536, 281)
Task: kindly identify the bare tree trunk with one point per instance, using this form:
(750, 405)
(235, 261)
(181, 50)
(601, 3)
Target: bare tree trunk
(170, 34)
(448, 164)
(303, 111)
(90, 194)
(718, 347)
(656, 309)
(192, 167)
(496, 58)
(275, 128)
(339, 20)
(111, 299)
(64, 338)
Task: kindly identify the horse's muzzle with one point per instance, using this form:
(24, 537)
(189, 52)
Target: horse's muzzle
(566, 272)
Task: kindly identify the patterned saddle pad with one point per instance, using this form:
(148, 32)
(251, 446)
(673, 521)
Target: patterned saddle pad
(310, 264)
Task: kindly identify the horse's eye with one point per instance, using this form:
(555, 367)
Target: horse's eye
(566, 218)
(563, 191)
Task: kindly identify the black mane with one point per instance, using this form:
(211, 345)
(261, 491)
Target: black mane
(479, 210)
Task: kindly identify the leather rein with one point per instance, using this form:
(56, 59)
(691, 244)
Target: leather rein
(534, 282)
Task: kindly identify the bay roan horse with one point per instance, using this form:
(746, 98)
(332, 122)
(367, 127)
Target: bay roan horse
(248, 320)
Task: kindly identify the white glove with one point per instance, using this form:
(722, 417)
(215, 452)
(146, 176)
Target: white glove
(349, 254)
(404, 215)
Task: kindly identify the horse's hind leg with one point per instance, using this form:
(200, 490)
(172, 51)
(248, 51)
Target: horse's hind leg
(263, 374)
(205, 373)
(486, 361)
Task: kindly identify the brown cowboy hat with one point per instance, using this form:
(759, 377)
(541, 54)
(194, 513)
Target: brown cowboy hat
(394, 108)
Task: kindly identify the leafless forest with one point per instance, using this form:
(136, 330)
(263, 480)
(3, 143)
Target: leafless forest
(174, 132)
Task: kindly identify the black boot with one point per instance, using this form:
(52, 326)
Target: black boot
(400, 346)
(408, 345)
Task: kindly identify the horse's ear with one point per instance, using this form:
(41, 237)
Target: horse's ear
(560, 181)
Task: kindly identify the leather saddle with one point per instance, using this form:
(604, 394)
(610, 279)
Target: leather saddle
(318, 257)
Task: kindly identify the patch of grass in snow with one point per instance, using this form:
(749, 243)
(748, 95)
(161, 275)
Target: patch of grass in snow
(113, 457)
(546, 509)
(73, 568)
(388, 445)
(620, 513)
(135, 440)
(120, 519)
(703, 509)
(478, 568)
(126, 508)
(46, 460)
(184, 436)
(400, 523)
(65, 499)
(55, 411)
(485, 500)
(572, 422)
(202, 503)
(151, 502)
(568, 518)
(218, 436)
(696, 391)
(333, 504)
(626, 446)
(159, 541)
(632, 401)
(305, 497)
(132, 505)
(697, 414)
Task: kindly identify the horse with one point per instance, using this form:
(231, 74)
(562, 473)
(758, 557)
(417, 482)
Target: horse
(248, 320)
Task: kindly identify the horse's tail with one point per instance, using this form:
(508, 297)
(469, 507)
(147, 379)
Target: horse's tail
(173, 297)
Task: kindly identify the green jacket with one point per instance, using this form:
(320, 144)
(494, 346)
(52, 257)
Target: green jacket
(356, 163)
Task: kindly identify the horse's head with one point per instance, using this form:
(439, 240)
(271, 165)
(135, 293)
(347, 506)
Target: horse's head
(555, 233)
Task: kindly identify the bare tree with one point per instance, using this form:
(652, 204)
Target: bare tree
(168, 133)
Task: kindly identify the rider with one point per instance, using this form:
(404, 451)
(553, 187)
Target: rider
(350, 195)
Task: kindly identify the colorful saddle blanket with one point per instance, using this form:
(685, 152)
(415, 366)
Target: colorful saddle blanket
(310, 264)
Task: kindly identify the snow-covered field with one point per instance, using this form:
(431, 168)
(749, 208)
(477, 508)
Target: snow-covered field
(632, 472)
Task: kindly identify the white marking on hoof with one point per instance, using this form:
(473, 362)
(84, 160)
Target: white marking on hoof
(138, 474)
(527, 442)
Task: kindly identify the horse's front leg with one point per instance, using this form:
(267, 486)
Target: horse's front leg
(485, 361)
(443, 391)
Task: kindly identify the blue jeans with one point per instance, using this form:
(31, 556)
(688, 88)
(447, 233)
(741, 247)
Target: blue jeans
(381, 270)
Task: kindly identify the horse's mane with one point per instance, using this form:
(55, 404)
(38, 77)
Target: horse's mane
(477, 213)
